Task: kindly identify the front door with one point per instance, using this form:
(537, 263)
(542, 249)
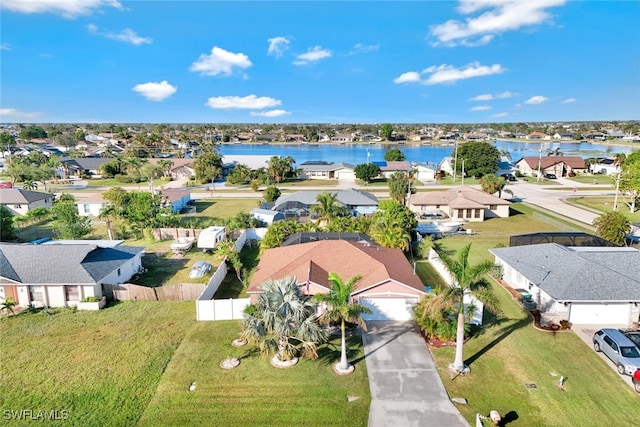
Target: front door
(11, 291)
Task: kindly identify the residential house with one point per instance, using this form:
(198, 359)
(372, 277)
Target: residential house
(179, 199)
(460, 203)
(389, 168)
(91, 205)
(84, 166)
(327, 170)
(20, 201)
(447, 165)
(557, 165)
(267, 217)
(422, 172)
(537, 136)
(563, 136)
(605, 166)
(52, 276)
(251, 161)
(342, 138)
(299, 203)
(388, 285)
(584, 285)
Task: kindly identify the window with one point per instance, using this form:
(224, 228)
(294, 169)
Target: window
(86, 208)
(476, 213)
(72, 293)
(36, 293)
(118, 272)
(468, 213)
(493, 207)
(460, 213)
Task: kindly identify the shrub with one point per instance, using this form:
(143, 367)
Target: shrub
(90, 299)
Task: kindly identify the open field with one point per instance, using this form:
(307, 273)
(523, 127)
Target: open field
(605, 204)
(102, 367)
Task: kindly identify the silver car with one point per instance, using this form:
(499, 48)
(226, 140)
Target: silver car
(620, 349)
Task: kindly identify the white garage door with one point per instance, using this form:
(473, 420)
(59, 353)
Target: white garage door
(347, 175)
(604, 314)
(389, 308)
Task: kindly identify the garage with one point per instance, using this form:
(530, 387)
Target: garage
(389, 308)
(346, 174)
(601, 314)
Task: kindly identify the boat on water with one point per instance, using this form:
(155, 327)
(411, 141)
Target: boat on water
(438, 227)
(182, 244)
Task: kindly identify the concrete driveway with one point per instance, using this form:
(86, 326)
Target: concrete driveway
(405, 387)
(585, 332)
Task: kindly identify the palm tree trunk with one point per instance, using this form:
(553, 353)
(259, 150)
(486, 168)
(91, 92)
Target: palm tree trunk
(282, 343)
(458, 363)
(343, 351)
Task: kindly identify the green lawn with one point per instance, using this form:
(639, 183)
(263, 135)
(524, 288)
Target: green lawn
(605, 204)
(510, 353)
(102, 367)
(594, 179)
(255, 393)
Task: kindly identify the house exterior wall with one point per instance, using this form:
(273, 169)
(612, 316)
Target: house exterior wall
(90, 209)
(388, 289)
(122, 274)
(471, 215)
(365, 210)
(23, 208)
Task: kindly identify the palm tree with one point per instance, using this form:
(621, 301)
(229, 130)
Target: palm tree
(227, 251)
(7, 305)
(343, 310)
(328, 207)
(468, 280)
(29, 185)
(283, 320)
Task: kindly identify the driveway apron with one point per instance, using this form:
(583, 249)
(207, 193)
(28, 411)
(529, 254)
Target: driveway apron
(406, 389)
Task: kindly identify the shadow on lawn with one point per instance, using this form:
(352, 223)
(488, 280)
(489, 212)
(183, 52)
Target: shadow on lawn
(505, 333)
(329, 353)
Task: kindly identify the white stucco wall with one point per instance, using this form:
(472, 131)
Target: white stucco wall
(126, 271)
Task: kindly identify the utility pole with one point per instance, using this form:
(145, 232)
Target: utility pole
(455, 163)
(463, 171)
(615, 200)
(539, 177)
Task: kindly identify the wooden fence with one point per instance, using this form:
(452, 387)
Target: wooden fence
(131, 292)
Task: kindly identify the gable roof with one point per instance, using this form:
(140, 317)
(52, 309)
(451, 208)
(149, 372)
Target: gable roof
(18, 196)
(396, 166)
(347, 258)
(85, 163)
(578, 273)
(462, 197)
(48, 264)
(574, 162)
(307, 166)
(348, 197)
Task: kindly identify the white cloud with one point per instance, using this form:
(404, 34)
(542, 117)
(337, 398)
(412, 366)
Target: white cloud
(500, 115)
(66, 8)
(490, 97)
(277, 46)
(251, 102)
(443, 74)
(14, 113)
(505, 94)
(569, 101)
(220, 62)
(155, 91)
(448, 74)
(5, 46)
(484, 97)
(127, 35)
(361, 48)
(481, 108)
(498, 17)
(408, 77)
(536, 100)
(314, 54)
(270, 113)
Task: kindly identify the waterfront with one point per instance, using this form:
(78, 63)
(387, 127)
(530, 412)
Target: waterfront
(426, 154)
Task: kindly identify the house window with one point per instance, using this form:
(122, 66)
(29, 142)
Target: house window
(36, 293)
(118, 272)
(468, 213)
(86, 208)
(437, 206)
(72, 293)
(476, 213)
(460, 213)
(493, 207)
(18, 206)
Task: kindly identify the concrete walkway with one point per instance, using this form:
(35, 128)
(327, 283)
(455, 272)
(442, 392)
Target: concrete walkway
(406, 389)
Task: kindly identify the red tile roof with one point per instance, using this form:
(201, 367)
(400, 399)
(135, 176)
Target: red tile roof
(375, 264)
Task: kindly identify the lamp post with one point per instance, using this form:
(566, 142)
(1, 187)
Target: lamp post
(539, 177)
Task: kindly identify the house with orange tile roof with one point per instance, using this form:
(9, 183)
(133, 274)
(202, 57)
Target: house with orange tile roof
(460, 203)
(557, 165)
(388, 284)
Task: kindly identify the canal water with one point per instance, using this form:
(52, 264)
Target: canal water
(427, 154)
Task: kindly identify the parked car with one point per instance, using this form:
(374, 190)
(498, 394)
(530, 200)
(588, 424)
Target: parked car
(619, 348)
(633, 336)
(199, 269)
(509, 177)
(550, 176)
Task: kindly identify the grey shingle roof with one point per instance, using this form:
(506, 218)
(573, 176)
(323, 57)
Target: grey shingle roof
(349, 197)
(53, 264)
(18, 195)
(578, 273)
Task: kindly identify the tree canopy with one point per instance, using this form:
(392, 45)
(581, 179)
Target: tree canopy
(394, 155)
(7, 228)
(386, 130)
(367, 171)
(478, 158)
(630, 179)
(612, 226)
(208, 167)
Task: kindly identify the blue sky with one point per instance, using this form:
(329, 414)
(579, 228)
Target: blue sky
(470, 61)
